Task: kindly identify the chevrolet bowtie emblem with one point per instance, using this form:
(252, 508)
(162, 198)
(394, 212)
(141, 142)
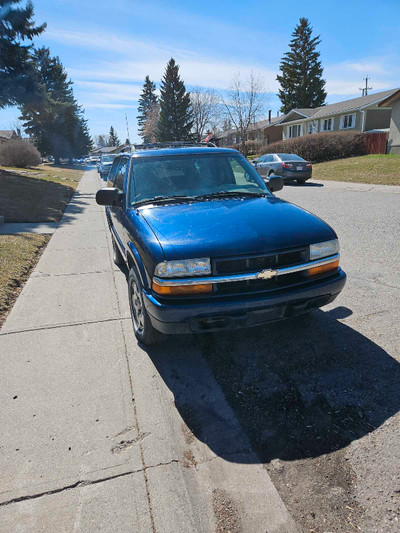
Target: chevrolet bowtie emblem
(266, 274)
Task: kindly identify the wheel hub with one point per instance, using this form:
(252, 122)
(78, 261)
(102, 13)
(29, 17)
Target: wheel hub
(137, 308)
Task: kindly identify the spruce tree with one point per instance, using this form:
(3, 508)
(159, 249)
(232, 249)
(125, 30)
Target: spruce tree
(301, 80)
(17, 82)
(147, 100)
(113, 138)
(175, 121)
(56, 124)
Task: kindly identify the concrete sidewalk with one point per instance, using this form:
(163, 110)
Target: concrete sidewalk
(91, 438)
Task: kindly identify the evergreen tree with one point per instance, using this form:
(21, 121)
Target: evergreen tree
(301, 80)
(147, 100)
(56, 124)
(176, 120)
(17, 82)
(113, 138)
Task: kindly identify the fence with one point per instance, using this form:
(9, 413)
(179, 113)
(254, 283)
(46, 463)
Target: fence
(376, 142)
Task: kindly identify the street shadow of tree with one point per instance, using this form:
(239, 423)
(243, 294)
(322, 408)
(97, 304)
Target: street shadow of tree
(300, 388)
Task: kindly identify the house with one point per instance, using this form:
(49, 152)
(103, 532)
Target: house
(265, 131)
(393, 102)
(358, 114)
(7, 135)
(105, 150)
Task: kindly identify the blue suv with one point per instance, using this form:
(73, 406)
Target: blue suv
(208, 245)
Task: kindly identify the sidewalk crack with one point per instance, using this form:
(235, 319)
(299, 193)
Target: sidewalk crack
(80, 483)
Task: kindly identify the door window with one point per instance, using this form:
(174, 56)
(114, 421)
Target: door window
(120, 174)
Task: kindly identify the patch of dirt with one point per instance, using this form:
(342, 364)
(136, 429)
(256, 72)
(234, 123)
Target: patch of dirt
(189, 459)
(226, 513)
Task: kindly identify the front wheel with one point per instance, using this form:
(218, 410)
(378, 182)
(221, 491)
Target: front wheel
(142, 326)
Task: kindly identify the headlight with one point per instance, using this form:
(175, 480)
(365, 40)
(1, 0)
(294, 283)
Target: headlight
(183, 268)
(324, 249)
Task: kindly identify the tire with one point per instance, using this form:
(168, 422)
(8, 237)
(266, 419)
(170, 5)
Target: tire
(117, 256)
(301, 182)
(270, 173)
(142, 326)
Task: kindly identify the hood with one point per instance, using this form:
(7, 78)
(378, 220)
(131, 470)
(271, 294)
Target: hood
(228, 227)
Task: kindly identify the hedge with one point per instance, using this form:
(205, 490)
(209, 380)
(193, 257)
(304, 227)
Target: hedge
(252, 147)
(321, 147)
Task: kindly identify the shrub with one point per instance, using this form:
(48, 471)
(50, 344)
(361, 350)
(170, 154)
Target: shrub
(252, 147)
(321, 147)
(19, 153)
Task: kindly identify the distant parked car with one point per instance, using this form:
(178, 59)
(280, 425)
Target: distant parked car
(290, 166)
(104, 166)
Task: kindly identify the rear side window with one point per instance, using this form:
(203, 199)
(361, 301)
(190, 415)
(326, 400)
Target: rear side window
(120, 174)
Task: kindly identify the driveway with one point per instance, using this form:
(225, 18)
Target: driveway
(231, 432)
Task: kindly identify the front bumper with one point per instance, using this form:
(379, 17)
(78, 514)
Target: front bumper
(235, 313)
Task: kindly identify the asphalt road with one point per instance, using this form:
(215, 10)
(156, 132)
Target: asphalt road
(319, 396)
(100, 435)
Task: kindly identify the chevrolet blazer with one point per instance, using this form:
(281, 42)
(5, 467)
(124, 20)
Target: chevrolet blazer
(208, 245)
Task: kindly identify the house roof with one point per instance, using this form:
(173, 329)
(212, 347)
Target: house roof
(260, 125)
(387, 102)
(7, 134)
(340, 107)
(104, 149)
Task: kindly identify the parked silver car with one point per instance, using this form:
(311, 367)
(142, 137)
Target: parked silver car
(290, 166)
(105, 164)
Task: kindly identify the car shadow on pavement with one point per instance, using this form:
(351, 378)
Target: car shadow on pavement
(306, 184)
(300, 388)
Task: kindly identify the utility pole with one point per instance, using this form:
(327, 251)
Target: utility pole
(366, 88)
(127, 131)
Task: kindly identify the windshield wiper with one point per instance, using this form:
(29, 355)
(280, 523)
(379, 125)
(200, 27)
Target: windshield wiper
(163, 199)
(248, 194)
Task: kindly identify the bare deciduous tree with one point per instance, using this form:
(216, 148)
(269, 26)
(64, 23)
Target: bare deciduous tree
(102, 140)
(244, 104)
(150, 126)
(205, 111)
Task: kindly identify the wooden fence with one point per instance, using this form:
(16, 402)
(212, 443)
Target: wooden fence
(376, 143)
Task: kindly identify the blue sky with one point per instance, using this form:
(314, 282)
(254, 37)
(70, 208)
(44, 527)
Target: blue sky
(109, 47)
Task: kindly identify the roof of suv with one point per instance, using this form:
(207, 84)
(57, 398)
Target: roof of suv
(187, 150)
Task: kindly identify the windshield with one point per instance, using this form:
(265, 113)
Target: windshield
(290, 157)
(192, 175)
(107, 158)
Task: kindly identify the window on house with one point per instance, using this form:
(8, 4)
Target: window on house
(312, 127)
(347, 121)
(327, 124)
(294, 131)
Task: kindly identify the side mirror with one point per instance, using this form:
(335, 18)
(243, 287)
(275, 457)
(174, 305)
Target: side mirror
(274, 183)
(110, 196)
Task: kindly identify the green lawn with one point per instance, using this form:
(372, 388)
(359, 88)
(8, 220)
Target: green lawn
(18, 256)
(373, 169)
(38, 194)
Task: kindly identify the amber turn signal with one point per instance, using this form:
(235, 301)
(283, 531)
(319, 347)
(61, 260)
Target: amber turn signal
(324, 268)
(181, 290)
